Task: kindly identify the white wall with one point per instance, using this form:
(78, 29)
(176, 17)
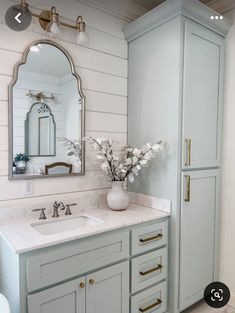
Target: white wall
(103, 70)
(227, 254)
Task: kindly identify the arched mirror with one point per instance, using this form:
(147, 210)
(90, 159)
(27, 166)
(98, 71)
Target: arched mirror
(46, 120)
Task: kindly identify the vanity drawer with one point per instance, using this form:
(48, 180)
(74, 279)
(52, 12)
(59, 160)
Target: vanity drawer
(151, 300)
(148, 269)
(149, 237)
(57, 264)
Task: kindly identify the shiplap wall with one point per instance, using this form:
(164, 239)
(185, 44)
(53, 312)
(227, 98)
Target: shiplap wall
(102, 66)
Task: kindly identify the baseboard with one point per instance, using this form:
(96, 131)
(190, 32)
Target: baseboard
(232, 300)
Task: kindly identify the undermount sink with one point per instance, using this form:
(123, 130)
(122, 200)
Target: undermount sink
(60, 226)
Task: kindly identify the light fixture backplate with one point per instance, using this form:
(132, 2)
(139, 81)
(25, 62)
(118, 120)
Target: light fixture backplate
(44, 18)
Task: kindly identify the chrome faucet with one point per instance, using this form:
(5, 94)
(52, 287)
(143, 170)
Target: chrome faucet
(56, 207)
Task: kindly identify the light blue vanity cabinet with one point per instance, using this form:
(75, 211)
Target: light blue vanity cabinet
(102, 291)
(119, 271)
(202, 97)
(199, 218)
(176, 57)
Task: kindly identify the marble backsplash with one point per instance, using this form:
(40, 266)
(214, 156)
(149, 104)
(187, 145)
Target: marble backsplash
(87, 200)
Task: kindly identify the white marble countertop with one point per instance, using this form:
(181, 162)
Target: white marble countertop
(22, 237)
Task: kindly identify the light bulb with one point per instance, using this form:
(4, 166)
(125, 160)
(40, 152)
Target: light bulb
(54, 28)
(82, 38)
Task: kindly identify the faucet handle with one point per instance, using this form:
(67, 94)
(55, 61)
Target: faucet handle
(42, 213)
(61, 205)
(68, 211)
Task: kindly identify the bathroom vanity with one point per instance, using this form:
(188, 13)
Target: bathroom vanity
(117, 265)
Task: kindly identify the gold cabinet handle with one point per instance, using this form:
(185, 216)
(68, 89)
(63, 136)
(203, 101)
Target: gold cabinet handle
(82, 285)
(91, 281)
(157, 268)
(157, 237)
(159, 301)
(188, 143)
(188, 187)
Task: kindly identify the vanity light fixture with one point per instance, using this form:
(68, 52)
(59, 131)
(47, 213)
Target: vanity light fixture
(50, 22)
(40, 96)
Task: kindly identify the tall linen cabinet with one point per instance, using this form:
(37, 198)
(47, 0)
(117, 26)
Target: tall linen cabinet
(176, 60)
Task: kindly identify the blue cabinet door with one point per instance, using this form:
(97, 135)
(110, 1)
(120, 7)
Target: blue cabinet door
(202, 97)
(64, 298)
(198, 233)
(107, 290)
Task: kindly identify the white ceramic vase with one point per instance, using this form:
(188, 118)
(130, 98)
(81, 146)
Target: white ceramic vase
(117, 198)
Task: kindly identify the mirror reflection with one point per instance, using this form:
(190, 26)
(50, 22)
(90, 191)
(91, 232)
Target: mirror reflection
(40, 131)
(47, 108)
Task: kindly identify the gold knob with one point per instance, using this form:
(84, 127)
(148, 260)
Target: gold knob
(91, 281)
(82, 285)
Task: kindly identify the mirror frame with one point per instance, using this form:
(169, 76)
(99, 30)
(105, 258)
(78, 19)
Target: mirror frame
(10, 111)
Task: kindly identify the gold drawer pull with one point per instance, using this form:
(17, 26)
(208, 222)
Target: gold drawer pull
(159, 301)
(82, 285)
(188, 187)
(188, 157)
(159, 267)
(91, 281)
(157, 237)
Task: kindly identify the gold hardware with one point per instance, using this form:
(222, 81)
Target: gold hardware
(188, 157)
(82, 285)
(188, 183)
(159, 301)
(91, 281)
(80, 24)
(157, 237)
(44, 18)
(159, 267)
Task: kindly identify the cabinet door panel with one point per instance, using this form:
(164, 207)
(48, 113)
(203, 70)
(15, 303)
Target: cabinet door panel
(198, 220)
(68, 297)
(108, 290)
(202, 96)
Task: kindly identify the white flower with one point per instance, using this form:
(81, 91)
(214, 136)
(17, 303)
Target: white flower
(134, 159)
(131, 178)
(125, 163)
(99, 156)
(128, 161)
(104, 166)
(156, 147)
(100, 140)
(143, 162)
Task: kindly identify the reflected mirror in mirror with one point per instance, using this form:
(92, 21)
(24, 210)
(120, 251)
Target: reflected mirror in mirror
(47, 108)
